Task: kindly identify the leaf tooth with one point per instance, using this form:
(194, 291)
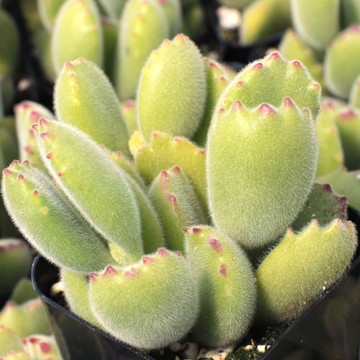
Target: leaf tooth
(132, 273)
(196, 230)
(93, 276)
(162, 252)
(7, 172)
(223, 270)
(215, 244)
(288, 103)
(296, 64)
(274, 56)
(173, 201)
(109, 271)
(146, 260)
(266, 109)
(258, 66)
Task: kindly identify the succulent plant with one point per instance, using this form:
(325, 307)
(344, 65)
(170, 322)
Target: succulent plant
(9, 341)
(25, 319)
(259, 175)
(165, 152)
(186, 78)
(165, 280)
(154, 248)
(101, 120)
(285, 296)
(177, 204)
(225, 280)
(239, 128)
(41, 347)
(24, 327)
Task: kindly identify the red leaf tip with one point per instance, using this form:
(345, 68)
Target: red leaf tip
(43, 122)
(148, 260)
(109, 271)
(173, 200)
(258, 66)
(288, 103)
(237, 105)
(44, 134)
(164, 180)
(127, 105)
(181, 37)
(93, 276)
(266, 109)
(34, 116)
(274, 56)
(215, 244)
(212, 65)
(297, 64)
(162, 252)
(223, 270)
(14, 164)
(347, 114)
(45, 348)
(132, 273)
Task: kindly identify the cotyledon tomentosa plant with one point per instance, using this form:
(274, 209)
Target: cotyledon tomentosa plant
(25, 333)
(96, 203)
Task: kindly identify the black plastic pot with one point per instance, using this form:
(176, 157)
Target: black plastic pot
(328, 330)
